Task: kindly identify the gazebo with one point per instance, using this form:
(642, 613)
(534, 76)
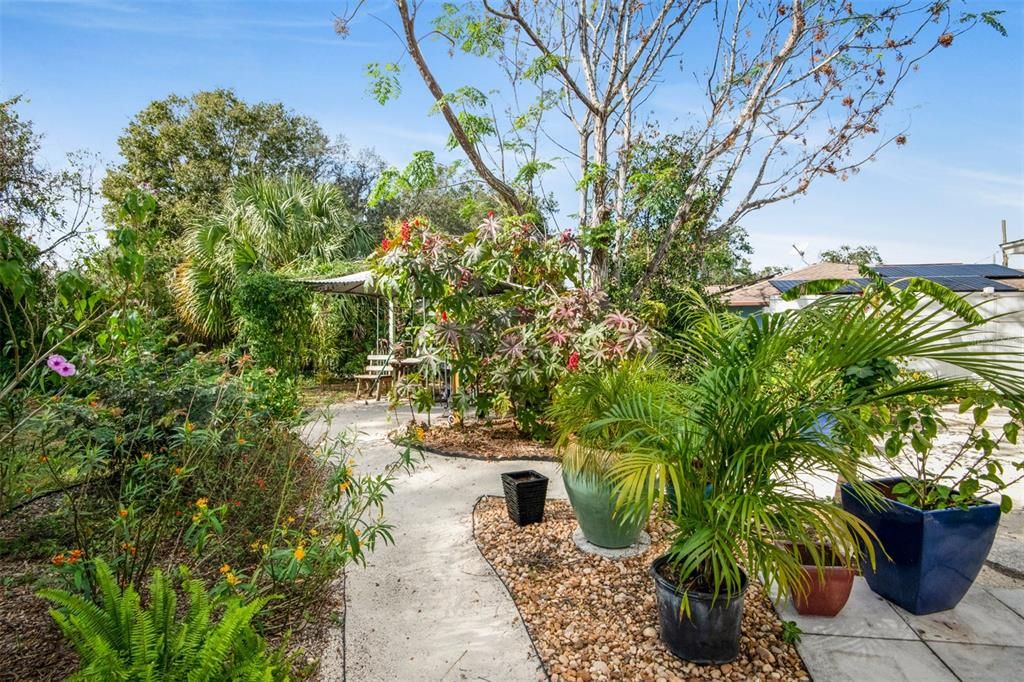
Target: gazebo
(354, 284)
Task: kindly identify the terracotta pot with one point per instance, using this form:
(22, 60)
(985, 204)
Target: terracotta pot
(822, 598)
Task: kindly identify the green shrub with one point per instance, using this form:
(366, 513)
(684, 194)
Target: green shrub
(119, 639)
(275, 318)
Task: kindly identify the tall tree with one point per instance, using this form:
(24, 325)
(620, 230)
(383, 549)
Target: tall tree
(189, 149)
(790, 92)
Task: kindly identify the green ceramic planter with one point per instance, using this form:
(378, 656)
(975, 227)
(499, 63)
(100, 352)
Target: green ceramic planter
(591, 499)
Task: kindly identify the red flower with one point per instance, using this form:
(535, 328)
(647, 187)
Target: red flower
(444, 316)
(574, 362)
(385, 244)
(406, 231)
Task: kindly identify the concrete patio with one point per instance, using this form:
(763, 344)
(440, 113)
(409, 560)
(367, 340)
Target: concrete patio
(981, 639)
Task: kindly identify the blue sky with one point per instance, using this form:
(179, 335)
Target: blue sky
(87, 66)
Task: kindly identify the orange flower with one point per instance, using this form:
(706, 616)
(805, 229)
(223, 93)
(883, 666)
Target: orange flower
(122, 513)
(241, 441)
(189, 427)
(300, 553)
(57, 560)
(232, 579)
(178, 471)
(147, 455)
(226, 568)
(202, 503)
(44, 459)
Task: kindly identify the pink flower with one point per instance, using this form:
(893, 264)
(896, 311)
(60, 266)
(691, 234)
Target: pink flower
(60, 365)
(574, 362)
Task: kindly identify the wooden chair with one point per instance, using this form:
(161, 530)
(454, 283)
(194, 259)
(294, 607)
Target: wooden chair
(377, 371)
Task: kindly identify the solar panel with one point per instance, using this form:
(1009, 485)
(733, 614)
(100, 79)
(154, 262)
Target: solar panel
(971, 283)
(961, 284)
(931, 271)
(784, 285)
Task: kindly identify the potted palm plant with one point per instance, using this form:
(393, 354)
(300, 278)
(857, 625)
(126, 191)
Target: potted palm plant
(583, 398)
(742, 434)
(938, 519)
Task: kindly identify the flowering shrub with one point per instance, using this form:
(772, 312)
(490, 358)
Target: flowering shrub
(503, 305)
(130, 450)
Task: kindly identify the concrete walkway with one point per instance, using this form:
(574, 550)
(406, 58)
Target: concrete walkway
(981, 639)
(429, 607)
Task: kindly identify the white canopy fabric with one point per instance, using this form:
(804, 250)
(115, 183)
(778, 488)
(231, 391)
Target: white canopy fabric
(355, 284)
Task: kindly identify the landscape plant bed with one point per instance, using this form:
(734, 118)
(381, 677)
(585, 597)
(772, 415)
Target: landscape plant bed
(32, 646)
(497, 439)
(594, 619)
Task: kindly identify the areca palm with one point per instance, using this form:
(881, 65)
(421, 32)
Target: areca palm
(769, 400)
(265, 225)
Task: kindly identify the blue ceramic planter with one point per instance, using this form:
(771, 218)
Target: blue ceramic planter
(934, 556)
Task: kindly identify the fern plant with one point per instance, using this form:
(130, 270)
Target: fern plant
(116, 638)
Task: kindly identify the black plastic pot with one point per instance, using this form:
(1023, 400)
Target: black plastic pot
(710, 634)
(525, 492)
(934, 556)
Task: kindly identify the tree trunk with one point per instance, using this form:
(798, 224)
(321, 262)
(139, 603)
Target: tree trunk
(601, 211)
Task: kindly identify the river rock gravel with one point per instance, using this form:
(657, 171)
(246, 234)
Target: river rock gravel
(594, 619)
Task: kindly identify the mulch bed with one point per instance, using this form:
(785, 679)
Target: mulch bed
(498, 439)
(595, 619)
(31, 645)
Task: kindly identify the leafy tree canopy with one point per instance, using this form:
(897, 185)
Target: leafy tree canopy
(188, 150)
(857, 255)
(34, 200)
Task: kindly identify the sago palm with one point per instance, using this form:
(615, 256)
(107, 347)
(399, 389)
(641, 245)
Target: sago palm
(265, 225)
(769, 401)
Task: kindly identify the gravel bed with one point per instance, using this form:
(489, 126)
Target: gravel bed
(595, 619)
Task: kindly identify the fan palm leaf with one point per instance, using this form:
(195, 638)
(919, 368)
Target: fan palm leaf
(266, 225)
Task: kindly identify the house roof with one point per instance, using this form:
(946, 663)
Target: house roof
(962, 277)
(758, 293)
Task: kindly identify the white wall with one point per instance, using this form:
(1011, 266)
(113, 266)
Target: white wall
(1004, 334)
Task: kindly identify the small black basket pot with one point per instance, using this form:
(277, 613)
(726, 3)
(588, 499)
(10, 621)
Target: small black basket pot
(525, 492)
